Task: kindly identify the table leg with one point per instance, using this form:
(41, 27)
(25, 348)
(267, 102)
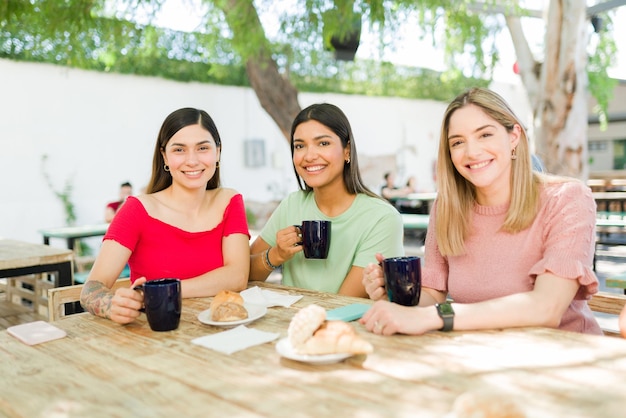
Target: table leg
(64, 277)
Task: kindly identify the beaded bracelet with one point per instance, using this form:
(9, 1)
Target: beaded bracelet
(267, 260)
(265, 263)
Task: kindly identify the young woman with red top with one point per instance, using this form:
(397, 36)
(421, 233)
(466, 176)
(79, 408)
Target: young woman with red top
(509, 246)
(186, 226)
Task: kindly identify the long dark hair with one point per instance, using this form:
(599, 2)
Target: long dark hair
(334, 119)
(173, 123)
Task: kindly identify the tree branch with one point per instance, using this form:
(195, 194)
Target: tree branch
(275, 92)
(528, 66)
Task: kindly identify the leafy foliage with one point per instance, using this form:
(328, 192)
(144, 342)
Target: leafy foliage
(102, 35)
(600, 84)
(77, 33)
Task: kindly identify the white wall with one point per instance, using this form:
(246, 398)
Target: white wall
(98, 130)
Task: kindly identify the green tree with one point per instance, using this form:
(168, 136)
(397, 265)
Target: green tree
(80, 32)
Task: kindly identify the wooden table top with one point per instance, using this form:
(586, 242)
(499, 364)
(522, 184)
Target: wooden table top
(18, 254)
(104, 369)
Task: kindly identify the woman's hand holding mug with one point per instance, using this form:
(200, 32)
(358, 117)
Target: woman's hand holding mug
(373, 279)
(287, 243)
(126, 303)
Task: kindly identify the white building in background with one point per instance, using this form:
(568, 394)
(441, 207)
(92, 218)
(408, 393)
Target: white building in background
(98, 130)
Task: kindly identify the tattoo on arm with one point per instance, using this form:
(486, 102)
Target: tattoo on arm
(96, 298)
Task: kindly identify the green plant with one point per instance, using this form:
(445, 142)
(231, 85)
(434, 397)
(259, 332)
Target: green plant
(65, 196)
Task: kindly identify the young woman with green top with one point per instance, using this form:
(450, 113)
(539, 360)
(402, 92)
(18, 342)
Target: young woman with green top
(325, 161)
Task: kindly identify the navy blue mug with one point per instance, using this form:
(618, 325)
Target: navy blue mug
(315, 238)
(403, 279)
(163, 300)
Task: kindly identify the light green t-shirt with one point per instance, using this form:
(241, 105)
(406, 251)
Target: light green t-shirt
(369, 226)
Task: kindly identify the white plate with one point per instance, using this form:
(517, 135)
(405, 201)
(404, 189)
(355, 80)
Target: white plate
(254, 312)
(284, 348)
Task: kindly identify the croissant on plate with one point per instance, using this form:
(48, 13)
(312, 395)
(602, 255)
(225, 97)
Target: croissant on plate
(310, 333)
(335, 337)
(227, 306)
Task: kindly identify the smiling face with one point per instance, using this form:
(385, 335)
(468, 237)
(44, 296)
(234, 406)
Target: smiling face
(480, 150)
(191, 154)
(318, 155)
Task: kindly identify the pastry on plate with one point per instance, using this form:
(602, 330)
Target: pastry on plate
(227, 306)
(310, 333)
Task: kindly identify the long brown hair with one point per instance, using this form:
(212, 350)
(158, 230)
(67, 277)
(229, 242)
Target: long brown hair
(456, 195)
(334, 119)
(173, 123)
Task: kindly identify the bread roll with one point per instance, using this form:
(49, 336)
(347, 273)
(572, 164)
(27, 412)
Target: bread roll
(335, 337)
(227, 306)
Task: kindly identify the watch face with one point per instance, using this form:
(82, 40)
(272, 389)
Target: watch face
(446, 309)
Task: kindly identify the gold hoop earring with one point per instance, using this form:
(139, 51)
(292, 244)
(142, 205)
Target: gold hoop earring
(217, 164)
(514, 154)
(166, 167)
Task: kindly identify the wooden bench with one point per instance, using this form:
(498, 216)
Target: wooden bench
(617, 281)
(59, 296)
(608, 303)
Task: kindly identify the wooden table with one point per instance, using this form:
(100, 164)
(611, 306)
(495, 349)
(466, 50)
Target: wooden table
(71, 233)
(104, 369)
(19, 258)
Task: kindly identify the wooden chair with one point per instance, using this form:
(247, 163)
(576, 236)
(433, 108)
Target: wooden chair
(608, 303)
(59, 296)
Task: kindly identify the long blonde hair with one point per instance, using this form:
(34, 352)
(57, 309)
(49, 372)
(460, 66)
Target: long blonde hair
(456, 195)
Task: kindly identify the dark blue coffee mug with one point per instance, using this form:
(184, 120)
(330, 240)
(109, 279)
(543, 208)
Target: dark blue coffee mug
(315, 238)
(162, 299)
(403, 279)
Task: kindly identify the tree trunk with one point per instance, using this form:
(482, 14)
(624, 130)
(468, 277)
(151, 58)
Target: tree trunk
(557, 88)
(275, 92)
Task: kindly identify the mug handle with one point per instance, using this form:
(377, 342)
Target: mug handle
(299, 228)
(139, 288)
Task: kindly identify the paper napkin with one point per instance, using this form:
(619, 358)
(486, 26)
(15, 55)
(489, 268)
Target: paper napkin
(268, 298)
(236, 339)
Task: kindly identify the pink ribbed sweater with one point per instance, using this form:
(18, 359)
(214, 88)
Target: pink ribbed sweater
(560, 240)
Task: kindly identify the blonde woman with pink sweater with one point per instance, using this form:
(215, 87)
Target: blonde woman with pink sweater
(510, 247)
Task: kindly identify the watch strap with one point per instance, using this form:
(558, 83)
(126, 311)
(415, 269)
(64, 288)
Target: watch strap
(446, 313)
